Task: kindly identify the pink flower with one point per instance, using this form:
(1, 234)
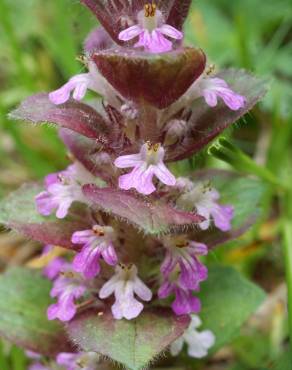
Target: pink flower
(124, 284)
(147, 163)
(151, 31)
(185, 302)
(205, 199)
(97, 242)
(52, 270)
(184, 254)
(62, 190)
(212, 89)
(66, 289)
(79, 84)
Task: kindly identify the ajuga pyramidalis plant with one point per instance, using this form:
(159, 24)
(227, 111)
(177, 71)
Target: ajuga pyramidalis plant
(134, 234)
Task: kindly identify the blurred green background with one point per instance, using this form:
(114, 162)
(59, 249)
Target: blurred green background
(39, 43)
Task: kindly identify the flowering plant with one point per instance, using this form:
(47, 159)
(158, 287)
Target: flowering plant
(134, 232)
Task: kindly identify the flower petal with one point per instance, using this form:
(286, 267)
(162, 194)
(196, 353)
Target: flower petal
(130, 33)
(126, 161)
(170, 31)
(108, 288)
(142, 290)
(109, 255)
(164, 175)
(222, 216)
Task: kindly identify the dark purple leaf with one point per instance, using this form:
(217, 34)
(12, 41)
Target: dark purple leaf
(178, 13)
(206, 123)
(134, 343)
(73, 115)
(18, 212)
(153, 217)
(158, 80)
(85, 151)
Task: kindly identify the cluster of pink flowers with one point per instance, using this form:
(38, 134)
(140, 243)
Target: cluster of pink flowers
(181, 270)
(161, 103)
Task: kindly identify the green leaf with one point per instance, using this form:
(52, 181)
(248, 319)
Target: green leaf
(24, 298)
(228, 299)
(12, 207)
(133, 343)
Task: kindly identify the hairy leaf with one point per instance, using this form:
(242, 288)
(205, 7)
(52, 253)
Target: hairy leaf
(178, 13)
(206, 122)
(228, 300)
(133, 343)
(24, 298)
(73, 115)
(152, 217)
(85, 150)
(18, 212)
(158, 80)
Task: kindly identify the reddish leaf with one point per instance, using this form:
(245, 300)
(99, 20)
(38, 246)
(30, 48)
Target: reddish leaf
(155, 79)
(178, 13)
(85, 151)
(73, 115)
(153, 217)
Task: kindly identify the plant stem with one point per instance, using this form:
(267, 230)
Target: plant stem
(287, 246)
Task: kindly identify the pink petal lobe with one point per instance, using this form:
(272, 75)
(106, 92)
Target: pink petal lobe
(171, 32)
(130, 33)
